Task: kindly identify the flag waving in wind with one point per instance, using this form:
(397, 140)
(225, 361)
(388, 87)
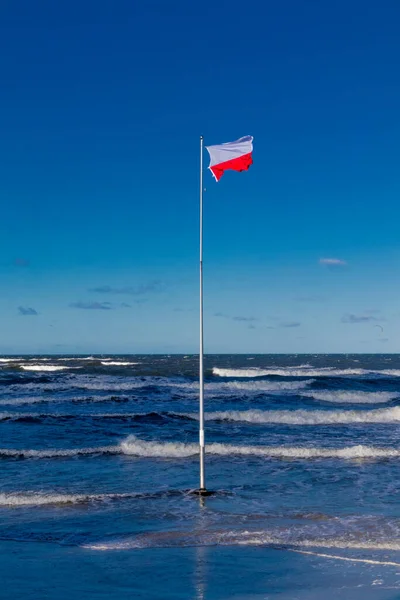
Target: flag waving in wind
(236, 156)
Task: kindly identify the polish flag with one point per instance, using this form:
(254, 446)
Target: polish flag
(236, 156)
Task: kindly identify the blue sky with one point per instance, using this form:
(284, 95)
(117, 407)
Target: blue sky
(102, 104)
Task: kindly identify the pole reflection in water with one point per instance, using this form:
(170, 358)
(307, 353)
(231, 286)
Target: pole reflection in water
(200, 572)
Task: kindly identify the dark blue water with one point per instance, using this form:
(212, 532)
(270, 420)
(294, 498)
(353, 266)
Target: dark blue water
(99, 455)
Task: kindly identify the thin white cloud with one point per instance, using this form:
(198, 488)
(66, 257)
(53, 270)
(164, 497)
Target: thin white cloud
(332, 262)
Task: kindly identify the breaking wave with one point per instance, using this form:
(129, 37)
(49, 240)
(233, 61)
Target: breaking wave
(257, 386)
(73, 399)
(134, 446)
(116, 363)
(284, 417)
(307, 417)
(343, 397)
(164, 383)
(45, 367)
(303, 371)
(10, 416)
(158, 384)
(137, 447)
(76, 358)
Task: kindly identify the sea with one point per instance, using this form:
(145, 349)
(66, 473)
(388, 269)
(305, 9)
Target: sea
(99, 460)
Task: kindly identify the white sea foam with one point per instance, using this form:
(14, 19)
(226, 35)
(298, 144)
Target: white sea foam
(390, 372)
(307, 417)
(367, 561)
(4, 416)
(345, 397)
(57, 453)
(120, 384)
(15, 416)
(42, 498)
(9, 360)
(344, 543)
(141, 448)
(76, 358)
(189, 387)
(57, 399)
(20, 401)
(117, 363)
(303, 371)
(286, 417)
(287, 538)
(256, 386)
(137, 447)
(45, 367)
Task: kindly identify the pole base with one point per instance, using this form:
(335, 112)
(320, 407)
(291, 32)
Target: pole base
(202, 492)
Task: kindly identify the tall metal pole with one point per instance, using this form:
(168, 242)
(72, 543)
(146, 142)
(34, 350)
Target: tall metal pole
(201, 354)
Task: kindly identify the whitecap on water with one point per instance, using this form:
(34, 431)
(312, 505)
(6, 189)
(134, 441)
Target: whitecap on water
(153, 449)
(303, 371)
(351, 397)
(306, 417)
(45, 367)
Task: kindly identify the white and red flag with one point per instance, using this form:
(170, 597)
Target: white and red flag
(236, 156)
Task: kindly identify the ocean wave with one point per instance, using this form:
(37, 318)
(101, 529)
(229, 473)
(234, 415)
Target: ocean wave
(27, 400)
(137, 447)
(9, 360)
(57, 453)
(344, 397)
(116, 363)
(76, 358)
(160, 385)
(288, 539)
(42, 498)
(211, 388)
(45, 367)
(367, 561)
(12, 416)
(257, 386)
(27, 498)
(307, 417)
(37, 417)
(390, 372)
(140, 417)
(303, 371)
(134, 446)
(285, 417)
(61, 399)
(45, 498)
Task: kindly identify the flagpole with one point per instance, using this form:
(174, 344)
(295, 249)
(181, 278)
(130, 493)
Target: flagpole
(201, 355)
(202, 491)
